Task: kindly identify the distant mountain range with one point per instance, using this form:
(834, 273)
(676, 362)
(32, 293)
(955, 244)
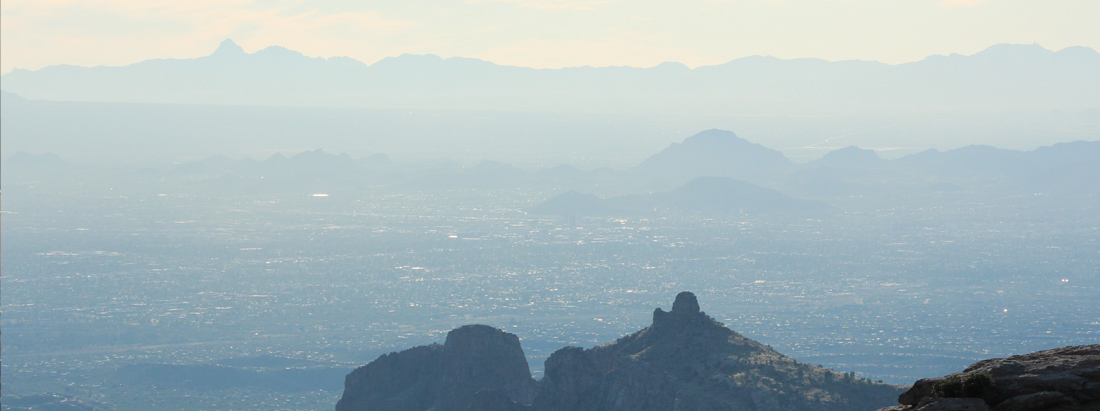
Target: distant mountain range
(717, 172)
(1002, 78)
(707, 195)
(712, 172)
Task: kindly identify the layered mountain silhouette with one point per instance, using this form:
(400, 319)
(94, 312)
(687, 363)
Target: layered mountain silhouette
(1058, 176)
(712, 172)
(683, 361)
(708, 195)
(713, 153)
(1002, 78)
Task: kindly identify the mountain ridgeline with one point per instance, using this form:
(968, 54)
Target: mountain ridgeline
(703, 195)
(684, 360)
(716, 172)
(1001, 78)
(713, 172)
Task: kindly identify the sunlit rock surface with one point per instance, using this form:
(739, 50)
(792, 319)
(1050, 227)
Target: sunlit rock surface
(1062, 379)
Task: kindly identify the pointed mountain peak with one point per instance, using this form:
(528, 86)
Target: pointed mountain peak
(228, 48)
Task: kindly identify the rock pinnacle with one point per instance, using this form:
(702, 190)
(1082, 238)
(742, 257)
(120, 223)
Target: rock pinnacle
(685, 303)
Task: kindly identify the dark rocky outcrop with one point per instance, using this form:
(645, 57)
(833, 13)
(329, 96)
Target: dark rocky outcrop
(1061, 379)
(687, 361)
(683, 361)
(442, 377)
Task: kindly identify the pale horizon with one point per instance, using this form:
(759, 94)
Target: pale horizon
(538, 34)
(368, 63)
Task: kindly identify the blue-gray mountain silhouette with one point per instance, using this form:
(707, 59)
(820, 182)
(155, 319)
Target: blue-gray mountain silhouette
(1059, 176)
(709, 195)
(1001, 78)
(713, 153)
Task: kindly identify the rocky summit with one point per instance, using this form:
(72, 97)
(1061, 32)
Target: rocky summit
(442, 377)
(1062, 379)
(684, 360)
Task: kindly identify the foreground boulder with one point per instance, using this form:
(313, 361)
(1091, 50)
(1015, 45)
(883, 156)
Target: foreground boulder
(683, 361)
(1062, 379)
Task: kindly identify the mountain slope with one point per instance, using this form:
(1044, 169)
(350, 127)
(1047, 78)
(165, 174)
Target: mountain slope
(683, 361)
(687, 361)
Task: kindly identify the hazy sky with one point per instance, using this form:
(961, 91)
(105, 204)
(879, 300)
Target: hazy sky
(536, 33)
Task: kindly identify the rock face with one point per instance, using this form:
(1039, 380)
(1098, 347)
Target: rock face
(687, 361)
(683, 361)
(442, 377)
(1061, 379)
